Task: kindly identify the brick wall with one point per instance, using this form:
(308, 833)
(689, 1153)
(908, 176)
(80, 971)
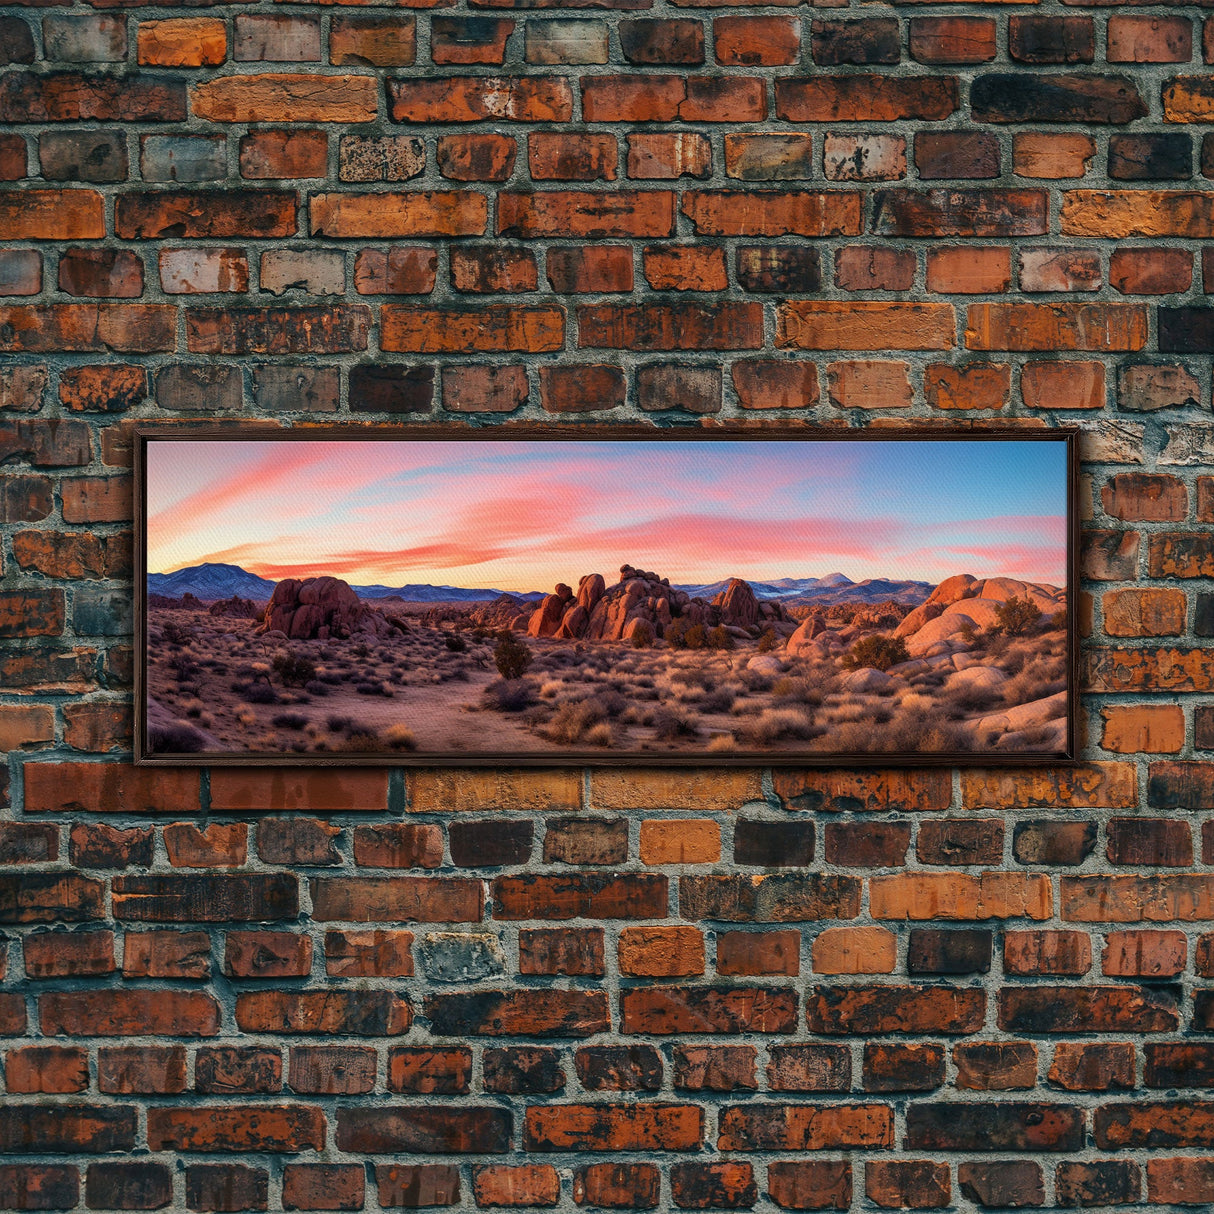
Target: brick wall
(725, 989)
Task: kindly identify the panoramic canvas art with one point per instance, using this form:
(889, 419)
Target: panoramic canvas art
(541, 599)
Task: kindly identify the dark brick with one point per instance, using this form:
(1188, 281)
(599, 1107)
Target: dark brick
(391, 388)
(1053, 842)
(1006, 1184)
(1004, 97)
(1052, 39)
(522, 1070)
(1150, 157)
(903, 1068)
(773, 844)
(958, 951)
(841, 42)
(489, 843)
(779, 269)
(130, 1185)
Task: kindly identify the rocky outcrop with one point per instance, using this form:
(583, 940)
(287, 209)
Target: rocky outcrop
(241, 609)
(738, 604)
(602, 613)
(320, 608)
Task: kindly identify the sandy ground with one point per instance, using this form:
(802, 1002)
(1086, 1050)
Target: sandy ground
(210, 675)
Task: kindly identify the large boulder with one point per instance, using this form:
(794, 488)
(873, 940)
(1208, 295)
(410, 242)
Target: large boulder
(983, 612)
(738, 604)
(546, 618)
(801, 643)
(590, 590)
(319, 608)
(959, 586)
(921, 615)
(944, 628)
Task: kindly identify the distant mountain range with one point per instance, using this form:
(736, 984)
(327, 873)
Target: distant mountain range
(217, 581)
(825, 591)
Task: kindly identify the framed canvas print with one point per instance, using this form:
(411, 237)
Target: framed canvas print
(549, 596)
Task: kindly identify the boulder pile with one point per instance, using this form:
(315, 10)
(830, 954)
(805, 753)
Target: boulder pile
(321, 608)
(638, 600)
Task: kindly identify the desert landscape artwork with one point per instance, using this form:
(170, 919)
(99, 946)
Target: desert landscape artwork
(696, 597)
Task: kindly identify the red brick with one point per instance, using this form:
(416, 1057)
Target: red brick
(430, 1071)
(493, 268)
(1179, 1181)
(1151, 271)
(69, 954)
(965, 270)
(476, 157)
(218, 1128)
(590, 270)
(279, 155)
(679, 326)
(504, 327)
(804, 1127)
(48, 1069)
(51, 215)
(480, 99)
(318, 1186)
(756, 41)
(154, 1070)
(182, 42)
(810, 1185)
(101, 273)
(613, 1127)
(1142, 497)
(500, 1185)
(974, 386)
(1149, 39)
(469, 40)
(656, 42)
(874, 268)
(775, 385)
(938, 40)
(617, 1185)
(379, 41)
(1063, 385)
(128, 1013)
(414, 1185)
(772, 213)
(557, 156)
(266, 954)
(899, 1184)
(104, 327)
(365, 954)
(864, 97)
(685, 268)
(166, 954)
(667, 156)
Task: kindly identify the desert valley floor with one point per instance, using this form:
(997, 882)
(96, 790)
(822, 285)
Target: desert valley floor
(637, 666)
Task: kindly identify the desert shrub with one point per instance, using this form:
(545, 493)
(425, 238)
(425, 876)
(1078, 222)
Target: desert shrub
(374, 689)
(183, 666)
(361, 650)
(767, 642)
(455, 643)
(722, 741)
(716, 701)
(642, 636)
(1017, 616)
(721, 638)
(880, 650)
(774, 723)
(508, 695)
(599, 735)
(316, 687)
(177, 633)
(361, 740)
(756, 681)
(670, 724)
(612, 701)
(260, 692)
(337, 722)
(684, 635)
(179, 737)
(289, 720)
(511, 656)
(1037, 679)
(399, 737)
(571, 722)
(293, 670)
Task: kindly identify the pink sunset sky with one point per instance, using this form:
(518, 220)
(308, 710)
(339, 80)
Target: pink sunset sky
(523, 515)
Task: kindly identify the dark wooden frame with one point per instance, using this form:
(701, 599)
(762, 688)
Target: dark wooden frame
(246, 431)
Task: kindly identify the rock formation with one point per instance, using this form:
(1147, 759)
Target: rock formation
(601, 613)
(243, 609)
(320, 608)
